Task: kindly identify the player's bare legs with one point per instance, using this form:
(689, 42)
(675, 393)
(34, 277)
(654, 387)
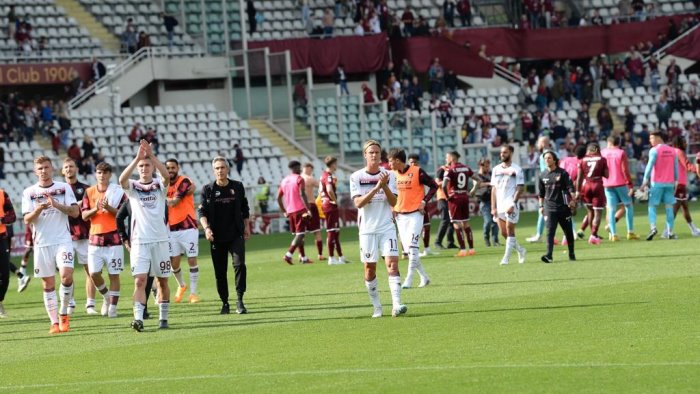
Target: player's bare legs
(686, 214)
(463, 230)
(194, 278)
(595, 214)
(102, 288)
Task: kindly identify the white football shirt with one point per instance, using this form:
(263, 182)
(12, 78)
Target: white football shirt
(147, 203)
(376, 217)
(506, 181)
(51, 227)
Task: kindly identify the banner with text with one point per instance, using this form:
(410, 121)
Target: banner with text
(42, 74)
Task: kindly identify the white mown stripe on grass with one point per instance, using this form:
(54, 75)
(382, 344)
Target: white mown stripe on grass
(353, 370)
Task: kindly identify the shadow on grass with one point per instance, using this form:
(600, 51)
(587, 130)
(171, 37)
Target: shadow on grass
(534, 308)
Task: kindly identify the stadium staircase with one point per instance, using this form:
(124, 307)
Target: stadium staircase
(275, 138)
(74, 9)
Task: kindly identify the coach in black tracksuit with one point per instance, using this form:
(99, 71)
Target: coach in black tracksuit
(7, 217)
(224, 214)
(556, 192)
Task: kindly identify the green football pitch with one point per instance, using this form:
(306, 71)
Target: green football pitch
(623, 318)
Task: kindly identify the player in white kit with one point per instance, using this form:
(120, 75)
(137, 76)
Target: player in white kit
(507, 183)
(149, 231)
(46, 206)
(373, 191)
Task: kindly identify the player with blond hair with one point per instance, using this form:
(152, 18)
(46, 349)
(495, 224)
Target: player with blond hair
(46, 206)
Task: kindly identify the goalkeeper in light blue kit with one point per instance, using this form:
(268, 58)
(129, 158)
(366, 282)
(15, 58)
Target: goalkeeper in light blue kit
(662, 171)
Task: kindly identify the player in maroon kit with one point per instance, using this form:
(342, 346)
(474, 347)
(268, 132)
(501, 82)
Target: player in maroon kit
(589, 187)
(329, 206)
(455, 184)
(79, 231)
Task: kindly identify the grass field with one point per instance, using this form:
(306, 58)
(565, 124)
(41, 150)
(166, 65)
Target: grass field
(623, 318)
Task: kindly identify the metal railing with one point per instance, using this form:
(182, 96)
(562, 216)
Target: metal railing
(508, 75)
(146, 53)
(661, 52)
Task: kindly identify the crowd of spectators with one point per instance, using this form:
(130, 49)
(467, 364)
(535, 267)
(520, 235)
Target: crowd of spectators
(131, 41)
(20, 30)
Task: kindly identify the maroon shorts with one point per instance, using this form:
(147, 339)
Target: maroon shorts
(459, 210)
(332, 219)
(593, 195)
(314, 223)
(298, 222)
(681, 193)
(426, 218)
(28, 240)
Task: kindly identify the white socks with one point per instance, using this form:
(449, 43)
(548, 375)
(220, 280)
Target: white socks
(373, 292)
(395, 287)
(51, 305)
(138, 310)
(113, 297)
(66, 295)
(194, 277)
(163, 309)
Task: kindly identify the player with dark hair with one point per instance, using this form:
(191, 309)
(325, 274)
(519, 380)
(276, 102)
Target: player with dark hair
(410, 210)
(507, 184)
(313, 224)
(618, 188)
(329, 206)
(681, 194)
(557, 200)
(292, 201)
(455, 184)
(184, 235)
(589, 186)
(80, 231)
(662, 173)
(414, 160)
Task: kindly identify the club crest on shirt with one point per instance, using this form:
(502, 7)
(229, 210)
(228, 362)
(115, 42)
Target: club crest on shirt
(232, 191)
(217, 193)
(80, 190)
(557, 178)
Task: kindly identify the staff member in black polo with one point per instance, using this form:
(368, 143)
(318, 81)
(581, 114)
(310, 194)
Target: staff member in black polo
(224, 214)
(557, 203)
(7, 217)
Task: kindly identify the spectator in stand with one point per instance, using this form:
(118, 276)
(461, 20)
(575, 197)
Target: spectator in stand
(136, 133)
(31, 119)
(305, 12)
(694, 94)
(299, 96)
(145, 41)
(619, 73)
(238, 158)
(654, 76)
(444, 108)
(88, 147)
(151, 137)
(359, 30)
(638, 9)
(605, 121)
(414, 95)
(421, 28)
(524, 24)
(384, 15)
(328, 22)
(46, 116)
(635, 65)
(342, 80)
(367, 95)
(169, 22)
(97, 70)
(464, 8)
(596, 74)
(128, 37)
(74, 152)
(629, 120)
(448, 12)
(408, 19)
(11, 21)
(436, 74)
(596, 19)
(550, 17)
(451, 84)
(625, 9)
(252, 16)
(374, 23)
(663, 111)
(673, 72)
(557, 93)
(482, 52)
(406, 70)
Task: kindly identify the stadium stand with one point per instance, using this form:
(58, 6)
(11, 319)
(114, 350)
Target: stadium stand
(610, 10)
(146, 17)
(52, 35)
(210, 19)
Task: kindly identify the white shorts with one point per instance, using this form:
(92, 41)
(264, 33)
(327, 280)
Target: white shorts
(111, 256)
(371, 243)
(151, 258)
(48, 258)
(184, 242)
(510, 218)
(81, 250)
(410, 229)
